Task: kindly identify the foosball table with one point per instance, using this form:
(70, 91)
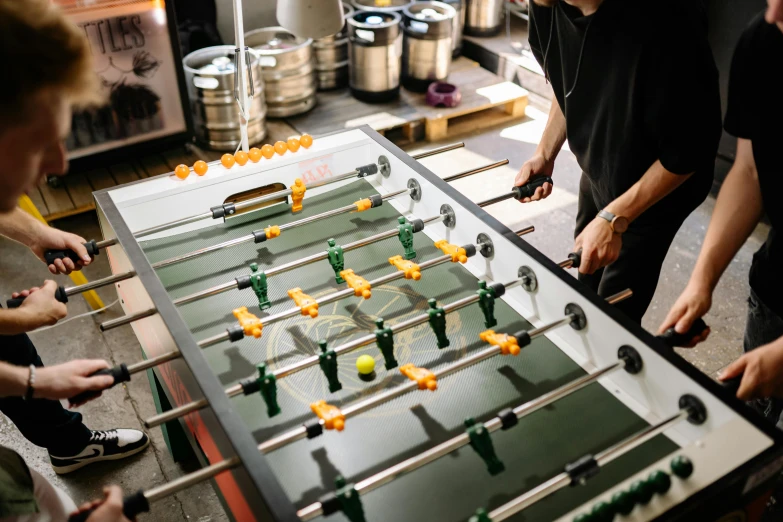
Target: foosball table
(345, 336)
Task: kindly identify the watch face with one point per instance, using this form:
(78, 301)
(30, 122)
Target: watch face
(620, 225)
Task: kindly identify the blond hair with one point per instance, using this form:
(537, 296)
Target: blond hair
(40, 49)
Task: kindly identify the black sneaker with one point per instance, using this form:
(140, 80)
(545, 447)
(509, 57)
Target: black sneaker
(104, 445)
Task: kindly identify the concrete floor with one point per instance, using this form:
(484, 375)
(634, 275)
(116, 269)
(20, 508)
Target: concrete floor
(125, 406)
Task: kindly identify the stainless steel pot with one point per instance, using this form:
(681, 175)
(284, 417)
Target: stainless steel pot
(426, 48)
(331, 57)
(288, 70)
(375, 52)
(483, 17)
(209, 74)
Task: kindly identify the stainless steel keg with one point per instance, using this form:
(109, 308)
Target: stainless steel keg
(288, 70)
(331, 57)
(381, 6)
(458, 26)
(426, 48)
(375, 53)
(483, 17)
(209, 74)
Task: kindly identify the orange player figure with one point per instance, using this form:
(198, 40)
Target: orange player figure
(297, 195)
(457, 253)
(507, 343)
(306, 303)
(423, 377)
(331, 415)
(272, 231)
(411, 269)
(363, 204)
(361, 287)
(250, 324)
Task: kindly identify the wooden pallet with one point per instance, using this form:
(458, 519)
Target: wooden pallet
(75, 194)
(487, 100)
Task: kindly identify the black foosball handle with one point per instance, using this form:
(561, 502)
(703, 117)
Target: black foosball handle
(59, 294)
(528, 190)
(51, 255)
(132, 505)
(120, 374)
(672, 338)
(732, 385)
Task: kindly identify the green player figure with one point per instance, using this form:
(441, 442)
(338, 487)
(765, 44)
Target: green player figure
(336, 259)
(327, 360)
(350, 501)
(405, 233)
(437, 319)
(481, 442)
(487, 304)
(268, 388)
(384, 338)
(258, 282)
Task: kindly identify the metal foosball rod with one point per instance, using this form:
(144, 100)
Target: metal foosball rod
(406, 270)
(485, 293)
(578, 472)
(227, 209)
(252, 385)
(139, 502)
(502, 344)
(63, 293)
(270, 232)
(477, 435)
(256, 236)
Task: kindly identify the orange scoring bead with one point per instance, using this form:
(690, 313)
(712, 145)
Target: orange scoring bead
(331, 415)
(307, 304)
(254, 154)
(241, 158)
(508, 344)
(267, 151)
(411, 269)
(306, 140)
(250, 324)
(361, 287)
(293, 144)
(182, 171)
(423, 377)
(457, 253)
(200, 167)
(281, 147)
(227, 160)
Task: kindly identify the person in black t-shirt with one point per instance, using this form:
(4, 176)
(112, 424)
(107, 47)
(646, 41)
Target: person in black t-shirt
(636, 95)
(752, 188)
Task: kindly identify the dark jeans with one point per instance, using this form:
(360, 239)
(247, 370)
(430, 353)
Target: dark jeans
(645, 245)
(763, 327)
(43, 422)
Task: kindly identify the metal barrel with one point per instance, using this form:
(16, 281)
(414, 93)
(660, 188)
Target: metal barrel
(209, 75)
(457, 26)
(483, 17)
(386, 6)
(288, 70)
(427, 44)
(375, 55)
(331, 57)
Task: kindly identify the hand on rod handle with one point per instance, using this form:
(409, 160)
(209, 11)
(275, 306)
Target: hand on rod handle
(16, 302)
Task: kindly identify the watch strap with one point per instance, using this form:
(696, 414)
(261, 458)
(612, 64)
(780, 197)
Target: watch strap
(30, 384)
(605, 214)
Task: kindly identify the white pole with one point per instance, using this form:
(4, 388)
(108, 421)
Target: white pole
(241, 72)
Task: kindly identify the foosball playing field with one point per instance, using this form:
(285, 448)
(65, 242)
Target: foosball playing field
(369, 344)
